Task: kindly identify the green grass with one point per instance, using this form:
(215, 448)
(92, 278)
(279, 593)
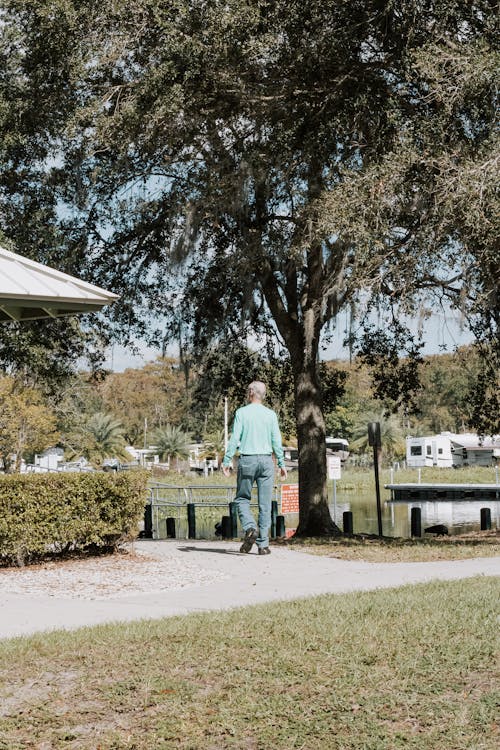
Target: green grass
(362, 479)
(479, 544)
(412, 668)
(352, 478)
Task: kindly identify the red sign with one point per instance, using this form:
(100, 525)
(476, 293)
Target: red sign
(290, 532)
(289, 498)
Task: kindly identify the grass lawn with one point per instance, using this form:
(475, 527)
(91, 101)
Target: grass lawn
(352, 478)
(405, 668)
(478, 544)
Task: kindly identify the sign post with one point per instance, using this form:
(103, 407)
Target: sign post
(334, 472)
(289, 502)
(375, 440)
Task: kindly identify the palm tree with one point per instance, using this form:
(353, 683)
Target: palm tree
(102, 437)
(172, 442)
(393, 442)
(214, 445)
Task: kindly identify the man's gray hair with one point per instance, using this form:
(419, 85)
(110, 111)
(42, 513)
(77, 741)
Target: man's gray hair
(257, 389)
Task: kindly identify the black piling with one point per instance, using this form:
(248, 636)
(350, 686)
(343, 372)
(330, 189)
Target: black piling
(171, 528)
(274, 515)
(347, 522)
(148, 521)
(226, 527)
(233, 512)
(485, 519)
(280, 526)
(191, 519)
(416, 522)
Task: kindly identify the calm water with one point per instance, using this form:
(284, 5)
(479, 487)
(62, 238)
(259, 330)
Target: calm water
(458, 516)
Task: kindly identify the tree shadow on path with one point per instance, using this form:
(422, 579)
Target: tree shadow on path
(211, 549)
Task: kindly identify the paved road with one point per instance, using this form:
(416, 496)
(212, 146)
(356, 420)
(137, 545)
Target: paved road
(241, 580)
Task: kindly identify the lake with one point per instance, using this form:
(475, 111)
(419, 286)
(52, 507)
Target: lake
(459, 516)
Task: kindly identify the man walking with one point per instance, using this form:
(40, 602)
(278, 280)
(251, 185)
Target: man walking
(257, 433)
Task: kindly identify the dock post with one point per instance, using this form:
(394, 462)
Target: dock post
(347, 522)
(233, 512)
(485, 519)
(274, 514)
(170, 527)
(191, 518)
(226, 527)
(280, 526)
(148, 521)
(416, 522)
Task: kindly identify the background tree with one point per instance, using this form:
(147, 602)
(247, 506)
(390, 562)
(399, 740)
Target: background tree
(214, 445)
(27, 426)
(101, 437)
(172, 442)
(287, 159)
(393, 442)
(155, 392)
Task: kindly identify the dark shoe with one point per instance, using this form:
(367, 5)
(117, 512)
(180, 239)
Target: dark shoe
(264, 551)
(249, 540)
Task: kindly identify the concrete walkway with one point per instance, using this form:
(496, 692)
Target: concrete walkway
(229, 580)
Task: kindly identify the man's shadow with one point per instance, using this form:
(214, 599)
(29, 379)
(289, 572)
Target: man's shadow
(210, 549)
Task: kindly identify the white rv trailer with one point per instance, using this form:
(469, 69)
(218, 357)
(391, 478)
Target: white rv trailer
(449, 449)
(337, 447)
(429, 451)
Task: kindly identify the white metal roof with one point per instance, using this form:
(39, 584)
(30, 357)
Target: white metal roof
(30, 290)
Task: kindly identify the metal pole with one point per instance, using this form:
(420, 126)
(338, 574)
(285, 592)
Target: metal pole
(226, 430)
(374, 439)
(376, 455)
(335, 500)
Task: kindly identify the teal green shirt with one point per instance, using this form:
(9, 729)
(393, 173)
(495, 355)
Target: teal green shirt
(255, 432)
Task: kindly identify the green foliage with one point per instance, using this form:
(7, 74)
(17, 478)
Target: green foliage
(393, 442)
(100, 437)
(155, 392)
(339, 422)
(256, 167)
(27, 424)
(172, 442)
(395, 360)
(214, 444)
(43, 514)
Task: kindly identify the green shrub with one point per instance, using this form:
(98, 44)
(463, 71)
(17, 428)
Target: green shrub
(43, 514)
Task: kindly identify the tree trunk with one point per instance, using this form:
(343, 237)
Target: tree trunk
(314, 513)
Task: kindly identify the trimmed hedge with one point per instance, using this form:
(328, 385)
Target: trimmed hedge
(49, 514)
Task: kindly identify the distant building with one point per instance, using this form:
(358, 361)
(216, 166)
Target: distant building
(450, 449)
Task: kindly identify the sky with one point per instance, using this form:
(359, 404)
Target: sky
(443, 333)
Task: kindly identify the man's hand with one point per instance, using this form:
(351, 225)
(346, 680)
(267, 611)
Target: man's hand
(226, 470)
(283, 472)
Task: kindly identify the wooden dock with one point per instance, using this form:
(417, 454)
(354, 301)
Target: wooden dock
(429, 492)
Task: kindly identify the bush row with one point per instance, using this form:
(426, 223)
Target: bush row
(50, 514)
